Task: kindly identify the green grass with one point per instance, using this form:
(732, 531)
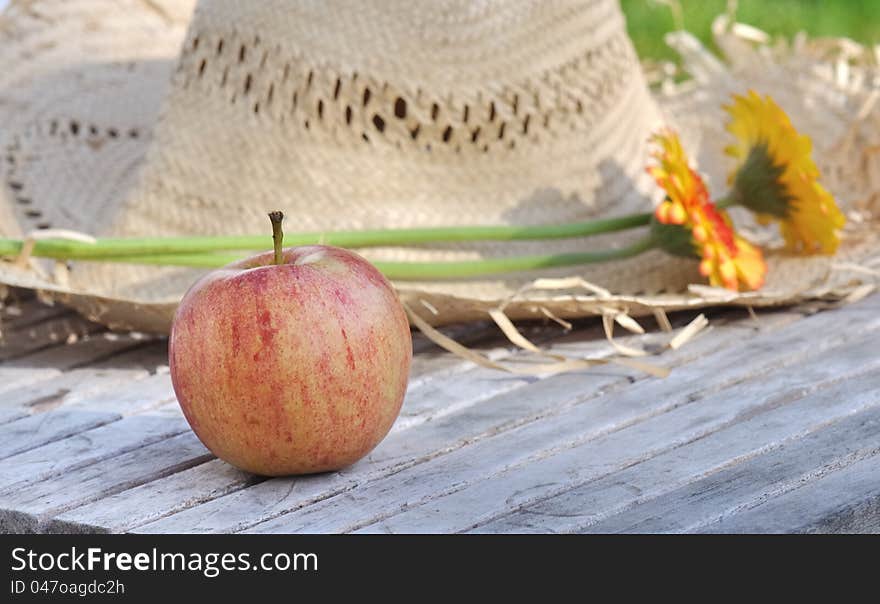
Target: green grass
(648, 20)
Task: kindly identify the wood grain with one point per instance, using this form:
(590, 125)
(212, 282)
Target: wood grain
(456, 478)
(767, 425)
(697, 484)
(29, 508)
(457, 434)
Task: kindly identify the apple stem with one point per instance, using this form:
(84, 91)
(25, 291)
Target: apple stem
(277, 234)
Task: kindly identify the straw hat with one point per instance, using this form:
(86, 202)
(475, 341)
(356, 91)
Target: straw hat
(144, 118)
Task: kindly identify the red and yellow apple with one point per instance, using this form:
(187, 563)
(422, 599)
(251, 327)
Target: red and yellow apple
(294, 367)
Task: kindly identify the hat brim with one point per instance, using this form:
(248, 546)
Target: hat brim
(117, 85)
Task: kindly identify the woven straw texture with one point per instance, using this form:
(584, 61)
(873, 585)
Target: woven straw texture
(143, 118)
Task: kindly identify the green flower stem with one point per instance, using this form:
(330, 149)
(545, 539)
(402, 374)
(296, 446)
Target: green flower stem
(418, 271)
(104, 248)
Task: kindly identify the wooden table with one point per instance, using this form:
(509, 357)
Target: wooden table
(767, 423)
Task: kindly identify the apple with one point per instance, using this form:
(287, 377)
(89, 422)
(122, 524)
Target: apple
(293, 362)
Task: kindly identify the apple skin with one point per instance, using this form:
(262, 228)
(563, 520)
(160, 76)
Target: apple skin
(293, 368)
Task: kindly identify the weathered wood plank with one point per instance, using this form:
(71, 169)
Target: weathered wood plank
(401, 447)
(68, 387)
(152, 501)
(19, 377)
(538, 479)
(88, 350)
(174, 488)
(432, 363)
(113, 401)
(152, 356)
(844, 501)
(420, 443)
(148, 505)
(81, 414)
(233, 507)
(133, 364)
(700, 482)
(96, 446)
(431, 399)
(36, 430)
(26, 313)
(551, 454)
(104, 350)
(488, 415)
(29, 508)
(139, 396)
(29, 339)
(49, 362)
(10, 415)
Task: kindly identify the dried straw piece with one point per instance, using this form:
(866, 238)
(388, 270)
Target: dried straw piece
(512, 333)
(752, 314)
(860, 292)
(662, 319)
(857, 268)
(686, 334)
(608, 325)
(564, 364)
(562, 322)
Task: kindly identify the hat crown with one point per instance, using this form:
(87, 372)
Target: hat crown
(451, 45)
(464, 81)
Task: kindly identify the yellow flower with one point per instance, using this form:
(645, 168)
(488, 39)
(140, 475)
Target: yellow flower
(776, 177)
(727, 259)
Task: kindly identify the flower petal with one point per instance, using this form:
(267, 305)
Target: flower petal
(812, 221)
